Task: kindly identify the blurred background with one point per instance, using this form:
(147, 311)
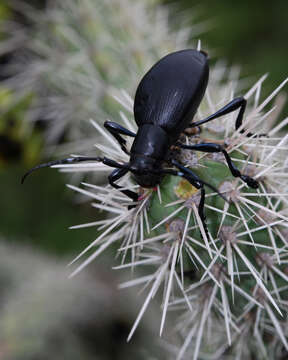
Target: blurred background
(36, 216)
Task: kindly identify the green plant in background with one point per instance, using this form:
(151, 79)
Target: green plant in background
(75, 51)
(228, 288)
(259, 42)
(17, 142)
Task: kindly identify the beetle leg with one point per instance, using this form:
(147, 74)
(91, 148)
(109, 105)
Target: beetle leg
(212, 148)
(197, 183)
(115, 130)
(237, 103)
(117, 174)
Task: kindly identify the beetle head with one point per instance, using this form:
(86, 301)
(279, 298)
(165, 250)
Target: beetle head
(146, 170)
(148, 180)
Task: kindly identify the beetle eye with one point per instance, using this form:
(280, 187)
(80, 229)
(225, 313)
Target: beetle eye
(204, 53)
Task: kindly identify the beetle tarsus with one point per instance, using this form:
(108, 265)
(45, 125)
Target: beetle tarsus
(212, 148)
(249, 134)
(250, 181)
(202, 213)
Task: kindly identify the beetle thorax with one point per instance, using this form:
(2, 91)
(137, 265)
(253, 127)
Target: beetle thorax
(148, 152)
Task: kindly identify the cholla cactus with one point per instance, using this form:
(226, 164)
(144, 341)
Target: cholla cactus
(229, 288)
(76, 50)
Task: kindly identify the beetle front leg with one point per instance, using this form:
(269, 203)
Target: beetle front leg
(73, 160)
(197, 183)
(117, 174)
(212, 148)
(115, 130)
(235, 104)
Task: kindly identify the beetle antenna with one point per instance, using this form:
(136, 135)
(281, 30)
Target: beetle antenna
(59, 162)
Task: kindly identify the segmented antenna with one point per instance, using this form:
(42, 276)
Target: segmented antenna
(70, 160)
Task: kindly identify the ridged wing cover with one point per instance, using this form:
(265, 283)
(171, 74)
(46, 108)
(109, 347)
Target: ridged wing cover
(171, 91)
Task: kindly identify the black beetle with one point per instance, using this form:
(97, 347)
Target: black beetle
(166, 101)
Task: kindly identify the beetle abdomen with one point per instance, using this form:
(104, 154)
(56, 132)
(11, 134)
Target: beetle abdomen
(171, 91)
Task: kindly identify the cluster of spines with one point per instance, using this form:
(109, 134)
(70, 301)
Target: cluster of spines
(234, 278)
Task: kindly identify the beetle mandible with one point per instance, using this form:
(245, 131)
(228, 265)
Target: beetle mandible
(166, 101)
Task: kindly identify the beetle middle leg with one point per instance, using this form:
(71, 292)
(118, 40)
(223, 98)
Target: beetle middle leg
(197, 183)
(212, 148)
(235, 104)
(117, 130)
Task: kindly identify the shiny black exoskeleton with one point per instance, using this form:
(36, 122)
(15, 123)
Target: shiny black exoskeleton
(166, 101)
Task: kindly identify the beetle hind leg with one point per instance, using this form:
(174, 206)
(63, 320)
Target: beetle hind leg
(197, 183)
(212, 148)
(235, 104)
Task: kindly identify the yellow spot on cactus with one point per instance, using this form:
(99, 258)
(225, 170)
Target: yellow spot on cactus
(184, 189)
(5, 97)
